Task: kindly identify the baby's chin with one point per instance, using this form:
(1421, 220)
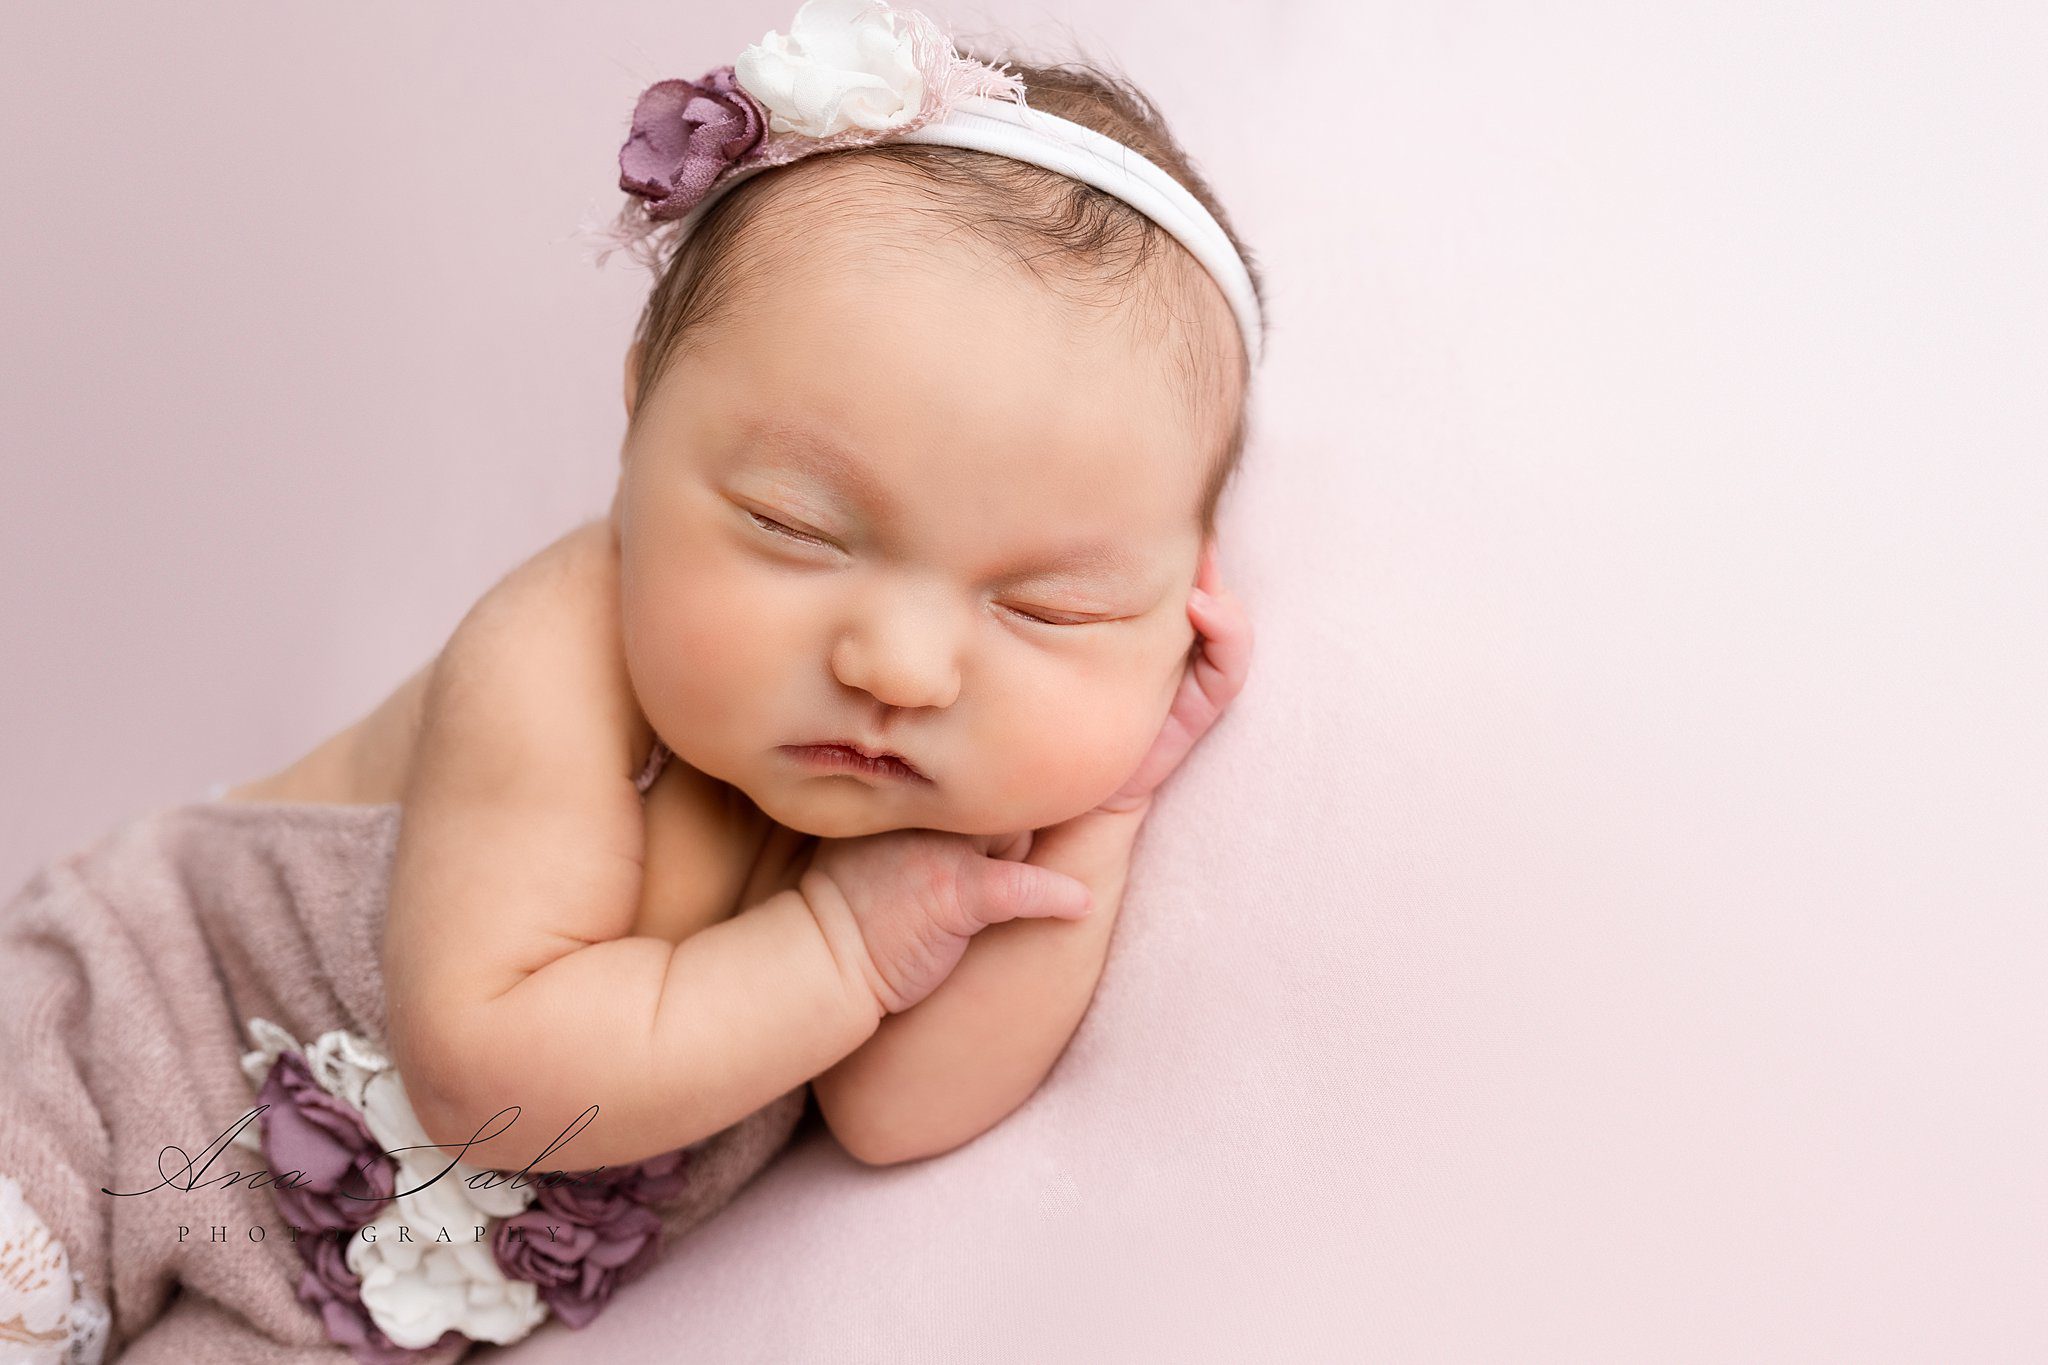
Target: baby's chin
(852, 814)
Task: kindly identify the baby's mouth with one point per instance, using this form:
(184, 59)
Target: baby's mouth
(846, 756)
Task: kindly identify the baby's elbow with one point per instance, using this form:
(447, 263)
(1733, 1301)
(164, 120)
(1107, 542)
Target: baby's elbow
(476, 1125)
(870, 1153)
(882, 1144)
(442, 1071)
(868, 1156)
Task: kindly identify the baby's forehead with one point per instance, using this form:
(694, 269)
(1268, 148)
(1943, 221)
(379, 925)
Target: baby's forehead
(870, 220)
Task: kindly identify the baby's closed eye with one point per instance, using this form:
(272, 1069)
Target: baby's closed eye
(1037, 615)
(771, 524)
(1043, 617)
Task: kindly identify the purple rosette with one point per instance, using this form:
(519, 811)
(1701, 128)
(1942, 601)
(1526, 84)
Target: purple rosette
(347, 1179)
(685, 134)
(659, 1178)
(593, 1196)
(578, 1265)
(605, 1233)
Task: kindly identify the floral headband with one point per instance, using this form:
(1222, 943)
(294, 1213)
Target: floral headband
(855, 73)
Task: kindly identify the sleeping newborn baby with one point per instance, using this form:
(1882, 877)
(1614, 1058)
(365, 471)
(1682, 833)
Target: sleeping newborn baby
(908, 560)
(816, 764)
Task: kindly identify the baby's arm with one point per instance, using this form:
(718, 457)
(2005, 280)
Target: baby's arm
(961, 1061)
(510, 974)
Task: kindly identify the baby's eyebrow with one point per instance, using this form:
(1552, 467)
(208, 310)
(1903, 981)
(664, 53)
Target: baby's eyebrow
(1089, 557)
(817, 453)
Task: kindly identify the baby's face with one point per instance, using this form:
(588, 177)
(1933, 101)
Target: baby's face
(921, 504)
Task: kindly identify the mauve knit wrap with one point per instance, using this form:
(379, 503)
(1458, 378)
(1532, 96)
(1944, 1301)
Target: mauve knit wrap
(127, 971)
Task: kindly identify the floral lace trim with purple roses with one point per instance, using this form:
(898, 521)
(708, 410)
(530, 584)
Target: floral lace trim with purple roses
(482, 1256)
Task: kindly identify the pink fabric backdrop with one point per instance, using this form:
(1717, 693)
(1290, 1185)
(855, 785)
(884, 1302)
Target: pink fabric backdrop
(1610, 926)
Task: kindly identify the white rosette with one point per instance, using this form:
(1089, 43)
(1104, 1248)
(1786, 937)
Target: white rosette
(418, 1288)
(843, 64)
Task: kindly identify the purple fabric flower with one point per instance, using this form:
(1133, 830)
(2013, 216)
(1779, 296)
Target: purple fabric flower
(595, 1196)
(606, 1233)
(336, 1294)
(685, 134)
(593, 1201)
(347, 1177)
(659, 1178)
(578, 1265)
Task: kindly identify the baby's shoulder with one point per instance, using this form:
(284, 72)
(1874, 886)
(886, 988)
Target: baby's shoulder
(564, 579)
(535, 676)
(536, 664)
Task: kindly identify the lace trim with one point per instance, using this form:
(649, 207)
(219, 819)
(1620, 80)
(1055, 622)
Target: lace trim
(46, 1315)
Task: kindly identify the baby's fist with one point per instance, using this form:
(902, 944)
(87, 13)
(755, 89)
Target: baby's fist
(903, 904)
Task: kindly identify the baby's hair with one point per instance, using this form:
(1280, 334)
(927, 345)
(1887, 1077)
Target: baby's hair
(1095, 240)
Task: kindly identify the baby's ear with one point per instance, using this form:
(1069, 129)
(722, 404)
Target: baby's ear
(633, 354)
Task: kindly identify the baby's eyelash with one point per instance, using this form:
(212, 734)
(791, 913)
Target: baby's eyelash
(770, 524)
(775, 527)
(1040, 620)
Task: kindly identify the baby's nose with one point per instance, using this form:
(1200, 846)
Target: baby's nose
(904, 652)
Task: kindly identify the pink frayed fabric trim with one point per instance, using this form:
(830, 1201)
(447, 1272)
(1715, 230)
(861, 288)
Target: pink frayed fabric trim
(948, 78)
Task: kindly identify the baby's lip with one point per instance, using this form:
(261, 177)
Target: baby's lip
(866, 750)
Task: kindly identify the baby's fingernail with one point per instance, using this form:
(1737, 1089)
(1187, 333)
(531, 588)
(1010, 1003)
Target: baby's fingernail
(1200, 599)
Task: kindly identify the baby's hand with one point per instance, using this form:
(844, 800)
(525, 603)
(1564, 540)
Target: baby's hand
(907, 901)
(1213, 678)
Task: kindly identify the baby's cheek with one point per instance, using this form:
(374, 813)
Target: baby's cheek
(681, 643)
(1082, 750)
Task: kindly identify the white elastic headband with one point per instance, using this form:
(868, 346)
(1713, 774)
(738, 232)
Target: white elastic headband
(981, 124)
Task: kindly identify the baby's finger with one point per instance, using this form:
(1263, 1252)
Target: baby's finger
(992, 891)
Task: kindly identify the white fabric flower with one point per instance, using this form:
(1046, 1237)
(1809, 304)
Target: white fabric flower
(46, 1317)
(419, 1288)
(270, 1040)
(340, 1062)
(343, 1064)
(844, 64)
